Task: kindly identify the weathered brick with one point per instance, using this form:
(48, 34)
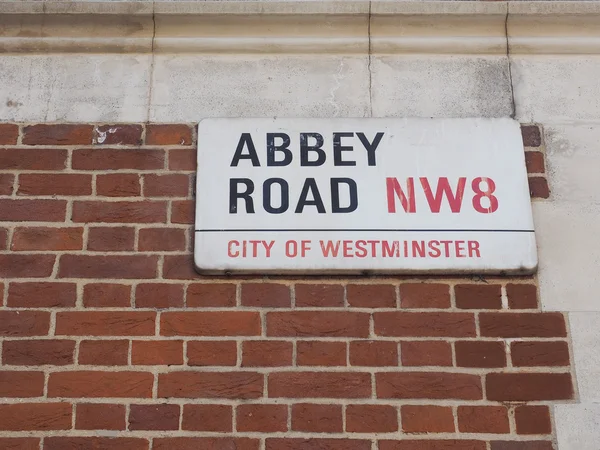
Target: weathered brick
(24, 323)
(32, 159)
(17, 384)
(47, 238)
(89, 266)
(213, 443)
(320, 353)
(9, 134)
(520, 325)
(426, 353)
(105, 323)
(210, 295)
(103, 353)
(118, 185)
(319, 295)
(120, 212)
(212, 353)
(70, 184)
(3, 238)
(35, 417)
(172, 185)
(424, 295)
(428, 385)
(6, 183)
(373, 353)
(210, 323)
(263, 418)
(524, 445)
(157, 353)
(534, 161)
(533, 419)
(158, 295)
(538, 187)
(266, 353)
(117, 134)
(317, 444)
(233, 385)
(217, 418)
(96, 384)
(111, 239)
(266, 295)
(154, 417)
(182, 211)
(38, 352)
(32, 210)
(320, 385)
(182, 159)
(179, 267)
(161, 239)
(426, 444)
(168, 134)
(480, 354)
(427, 419)
(371, 418)
(95, 443)
(371, 295)
(58, 134)
(116, 159)
(478, 296)
(483, 419)
(100, 416)
(42, 295)
(424, 324)
(317, 418)
(20, 443)
(531, 135)
(106, 295)
(528, 386)
(535, 354)
(521, 296)
(318, 324)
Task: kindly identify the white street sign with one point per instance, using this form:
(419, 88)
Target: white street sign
(362, 196)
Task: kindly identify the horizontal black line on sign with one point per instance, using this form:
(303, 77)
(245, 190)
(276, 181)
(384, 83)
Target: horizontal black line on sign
(274, 230)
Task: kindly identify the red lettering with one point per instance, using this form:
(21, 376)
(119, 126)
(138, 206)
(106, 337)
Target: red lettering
(458, 246)
(474, 249)
(443, 188)
(230, 251)
(268, 247)
(480, 194)
(434, 249)
(394, 189)
(361, 250)
(348, 249)
(392, 251)
(330, 248)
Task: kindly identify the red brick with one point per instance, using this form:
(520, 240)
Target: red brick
(525, 445)
(217, 443)
(17, 384)
(373, 353)
(118, 185)
(9, 134)
(266, 353)
(371, 295)
(54, 184)
(173, 185)
(521, 325)
(95, 443)
(533, 419)
(483, 419)
(117, 134)
(528, 386)
(116, 159)
(182, 211)
(179, 267)
(478, 296)
(26, 266)
(212, 353)
(319, 295)
(19, 443)
(480, 354)
(35, 417)
(32, 210)
(210, 295)
(42, 295)
(161, 239)
(3, 238)
(426, 353)
(103, 353)
(111, 239)
(531, 135)
(6, 183)
(210, 323)
(233, 385)
(521, 296)
(120, 212)
(105, 295)
(109, 323)
(317, 418)
(320, 353)
(95, 384)
(538, 187)
(424, 324)
(427, 419)
(32, 159)
(317, 444)
(38, 352)
(263, 418)
(168, 134)
(266, 295)
(157, 353)
(371, 418)
(446, 444)
(101, 416)
(215, 418)
(428, 385)
(158, 295)
(318, 323)
(424, 295)
(24, 323)
(47, 238)
(536, 354)
(154, 417)
(319, 385)
(534, 161)
(182, 159)
(89, 266)
(58, 134)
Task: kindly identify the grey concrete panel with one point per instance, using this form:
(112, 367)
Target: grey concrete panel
(585, 335)
(577, 426)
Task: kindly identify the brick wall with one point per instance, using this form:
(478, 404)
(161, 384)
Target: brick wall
(110, 340)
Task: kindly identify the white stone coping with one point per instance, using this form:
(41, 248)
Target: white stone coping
(296, 26)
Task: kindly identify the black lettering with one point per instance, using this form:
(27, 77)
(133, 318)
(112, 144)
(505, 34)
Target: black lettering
(283, 148)
(338, 148)
(285, 196)
(310, 185)
(246, 139)
(234, 195)
(335, 195)
(370, 147)
(305, 149)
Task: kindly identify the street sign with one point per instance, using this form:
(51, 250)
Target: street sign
(358, 195)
